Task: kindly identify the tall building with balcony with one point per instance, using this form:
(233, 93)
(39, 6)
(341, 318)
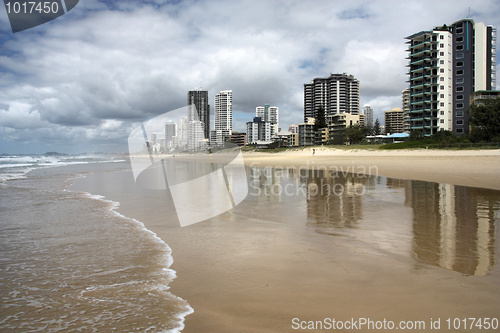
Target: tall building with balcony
(269, 114)
(446, 65)
(258, 130)
(405, 96)
(223, 117)
(199, 98)
(307, 134)
(394, 121)
(338, 93)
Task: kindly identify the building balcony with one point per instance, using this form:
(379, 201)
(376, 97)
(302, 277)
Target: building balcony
(425, 43)
(421, 52)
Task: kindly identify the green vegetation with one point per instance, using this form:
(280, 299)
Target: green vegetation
(484, 120)
(440, 140)
(356, 134)
(320, 119)
(376, 128)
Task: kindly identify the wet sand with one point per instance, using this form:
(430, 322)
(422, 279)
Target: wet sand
(257, 267)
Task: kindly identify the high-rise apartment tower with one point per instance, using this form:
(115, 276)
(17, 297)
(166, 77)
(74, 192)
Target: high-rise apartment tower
(446, 65)
(269, 114)
(223, 117)
(200, 99)
(338, 93)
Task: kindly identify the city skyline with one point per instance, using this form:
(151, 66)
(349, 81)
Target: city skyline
(82, 82)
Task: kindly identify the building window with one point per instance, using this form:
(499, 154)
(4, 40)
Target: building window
(441, 96)
(441, 45)
(460, 97)
(442, 121)
(460, 30)
(460, 80)
(441, 70)
(460, 89)
(460, 63)
(460, 113)
(460, 130)
(441, 54)
(460, 105)
(460, 72)
(460, 47)
(441, 37)
(441, 87)
(441, 104)
(459, 39)
(460, 122)
(460, 55)
(441, 78)
(441, 62)
(442, 113)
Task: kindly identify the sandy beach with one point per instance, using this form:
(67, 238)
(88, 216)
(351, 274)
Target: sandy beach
(265, 267)
(420, 244)
(476, 168)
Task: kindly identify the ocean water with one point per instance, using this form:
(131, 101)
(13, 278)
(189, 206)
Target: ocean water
(70, 262)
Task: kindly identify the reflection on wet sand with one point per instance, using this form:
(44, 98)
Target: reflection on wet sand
(453, 227)
(335, 201)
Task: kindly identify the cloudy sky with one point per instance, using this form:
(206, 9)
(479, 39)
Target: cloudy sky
(83, 81)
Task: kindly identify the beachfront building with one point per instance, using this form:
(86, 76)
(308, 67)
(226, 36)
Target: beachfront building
(307, 134)
(258, 130)
(199, 98)
(338, 93)
(480, 96)
(269, 114)
(182, 132)
(196, 136)
(293, 139)
(394, 121)
(321, 136)
(337, 124)
(169, 135)
(405, 99)
(293, 128)
(282, 138)
(368, 112)
(223, 118)
(238, 138)
(446, 65)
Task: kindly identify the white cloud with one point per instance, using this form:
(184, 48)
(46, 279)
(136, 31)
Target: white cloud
(90, 74)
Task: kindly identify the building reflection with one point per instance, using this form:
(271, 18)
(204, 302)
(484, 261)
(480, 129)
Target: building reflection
(454, 227)
(334, 200)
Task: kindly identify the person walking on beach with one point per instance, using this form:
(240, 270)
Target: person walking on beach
(314, 151)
